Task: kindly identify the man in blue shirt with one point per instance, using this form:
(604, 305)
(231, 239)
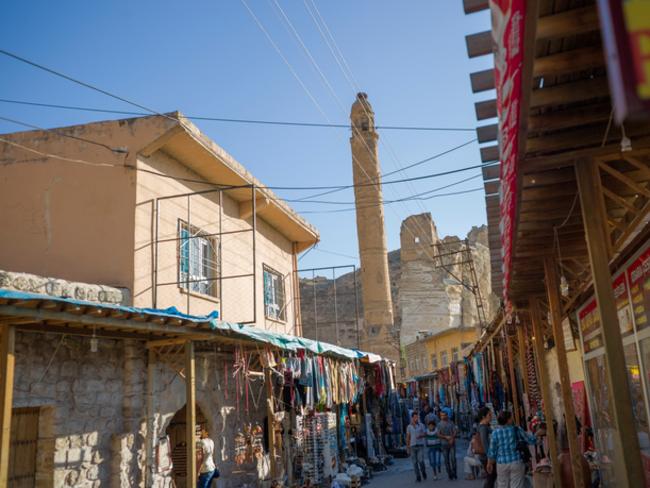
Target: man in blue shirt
(504, 453)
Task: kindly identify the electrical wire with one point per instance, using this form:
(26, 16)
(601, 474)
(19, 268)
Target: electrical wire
(351, 209)
(236, 120)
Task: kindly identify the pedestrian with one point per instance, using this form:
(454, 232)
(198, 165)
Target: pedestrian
(205, 460)
(415, 434)
(484, 432)
(472, 461)
(506, 451)
(447, 433)
(433, 449)
(431, 417)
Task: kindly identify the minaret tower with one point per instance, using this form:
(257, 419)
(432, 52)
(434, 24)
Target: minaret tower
(378, 333)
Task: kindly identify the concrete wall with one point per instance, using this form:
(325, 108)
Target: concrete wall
(92, 423)
(576, 372)
(236, 298)
(64, 218)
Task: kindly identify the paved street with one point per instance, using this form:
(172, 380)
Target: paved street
(401, 475)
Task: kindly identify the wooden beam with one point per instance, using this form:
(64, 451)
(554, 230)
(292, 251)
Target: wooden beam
(108, 322)
(569, 62)
(489, 154)
(471, 6)
(190, 414)
(492, 187)
(479, 44)
(579, 91)
(486, 109)
(627, 462)
(7, 363)
(487, 133)
(523, 368)
(545, 384)
(270, 413)
(555, 307)
(568, 23)
(482, 80)
(572, 117)
(513, 380)
(491, 172)
(573, 139)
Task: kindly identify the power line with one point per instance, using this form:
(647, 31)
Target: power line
(232, 187)
(237, 120)
(351, 209)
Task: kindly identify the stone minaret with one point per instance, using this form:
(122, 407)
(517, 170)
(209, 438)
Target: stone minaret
(378, 334)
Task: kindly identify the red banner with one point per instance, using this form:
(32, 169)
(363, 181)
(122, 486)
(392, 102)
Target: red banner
(508, 32)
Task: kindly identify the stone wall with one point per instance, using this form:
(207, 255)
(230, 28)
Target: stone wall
(93, 409)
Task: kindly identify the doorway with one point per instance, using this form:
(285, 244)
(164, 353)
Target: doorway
(23, 447)
(176, 432)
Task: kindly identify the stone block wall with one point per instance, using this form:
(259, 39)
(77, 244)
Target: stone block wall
(93, 410)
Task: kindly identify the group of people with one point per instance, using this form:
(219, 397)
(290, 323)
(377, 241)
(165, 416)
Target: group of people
(501, 453)
(438, 439)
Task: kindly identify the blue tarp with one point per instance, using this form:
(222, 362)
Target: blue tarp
(278, 339)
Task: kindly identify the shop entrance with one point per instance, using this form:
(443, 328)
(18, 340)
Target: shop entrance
(176, 431)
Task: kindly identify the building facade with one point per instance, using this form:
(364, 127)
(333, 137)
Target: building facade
(123, 232)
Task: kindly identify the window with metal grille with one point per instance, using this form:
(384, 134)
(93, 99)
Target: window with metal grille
(434, 362)
(274, 307)
(444, 360)
(198, 264)
(454, 354)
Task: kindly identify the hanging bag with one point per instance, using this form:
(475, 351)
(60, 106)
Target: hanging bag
(522, 447)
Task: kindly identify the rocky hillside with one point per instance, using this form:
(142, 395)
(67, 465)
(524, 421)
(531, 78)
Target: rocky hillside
(424, 295)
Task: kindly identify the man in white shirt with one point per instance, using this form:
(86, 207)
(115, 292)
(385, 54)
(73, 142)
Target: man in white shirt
(205, 460)
(415, 434)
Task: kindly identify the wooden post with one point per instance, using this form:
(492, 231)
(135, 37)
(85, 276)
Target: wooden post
(270, 413)
(190, 414)
(7, 362)
(151, 425)
(521, 343)
(513, 380)
(538, 343)
(627, 462)
(555, 306)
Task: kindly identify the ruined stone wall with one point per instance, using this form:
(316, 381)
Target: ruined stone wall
(93, 424)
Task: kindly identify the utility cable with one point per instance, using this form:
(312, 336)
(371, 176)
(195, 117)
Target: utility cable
(235, 120)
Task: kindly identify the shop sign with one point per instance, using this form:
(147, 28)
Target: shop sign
(589, 321)
(508, 32)
(638, 274)
(626, 35)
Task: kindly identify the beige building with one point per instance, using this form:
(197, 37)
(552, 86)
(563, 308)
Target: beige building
(430, 353)
(153, 206)
(145, 212)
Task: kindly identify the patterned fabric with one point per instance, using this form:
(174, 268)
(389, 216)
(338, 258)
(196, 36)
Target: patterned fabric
(503, 444)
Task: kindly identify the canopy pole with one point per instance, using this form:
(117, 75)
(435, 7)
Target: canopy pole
(555, 306)
(538, 343)
(190, 414)
(513, 380)
(627, 461)
(7, 362)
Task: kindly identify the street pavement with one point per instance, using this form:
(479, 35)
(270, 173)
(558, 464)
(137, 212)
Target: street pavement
(401, 475)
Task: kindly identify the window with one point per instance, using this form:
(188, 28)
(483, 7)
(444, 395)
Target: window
(198, 262)
(274, 295)
(444, 360)
(434, 362)
(454, 354)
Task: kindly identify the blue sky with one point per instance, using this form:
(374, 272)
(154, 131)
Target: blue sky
(211, 58)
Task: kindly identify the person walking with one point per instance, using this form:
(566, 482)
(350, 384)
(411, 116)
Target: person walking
(471, 462)
(447, 433)
(415, 434)
(504, 451)
(433, 449)
(484, 431)
(205, 460)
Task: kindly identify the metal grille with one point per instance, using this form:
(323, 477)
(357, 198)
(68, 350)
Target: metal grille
(23, 447)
